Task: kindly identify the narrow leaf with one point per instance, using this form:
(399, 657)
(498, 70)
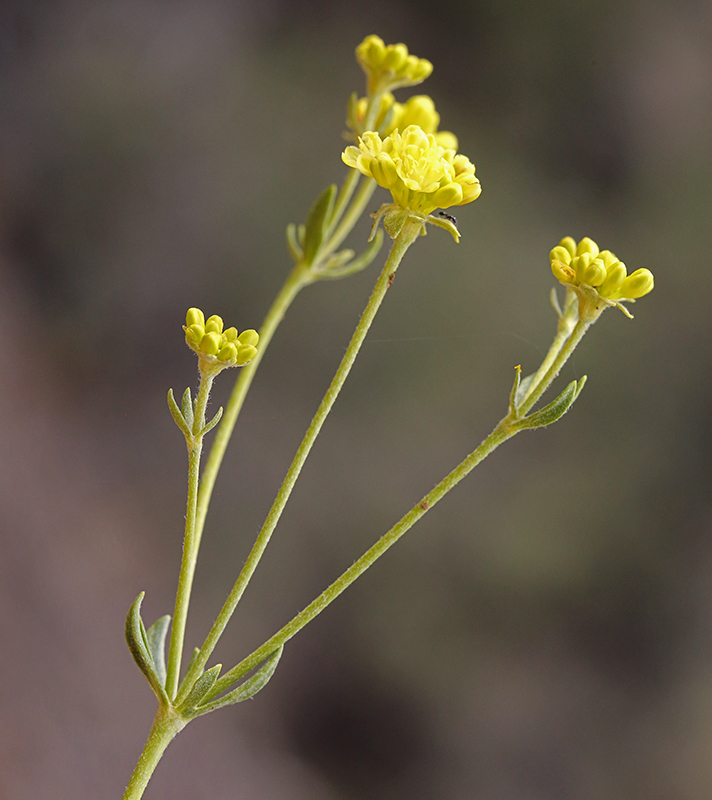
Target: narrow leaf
(188, 408)
(137, 640)
(317, 223)
(555, 410)
(156, 636)
(200, 688)
(213, 422)
(248, 688)
(176, 414)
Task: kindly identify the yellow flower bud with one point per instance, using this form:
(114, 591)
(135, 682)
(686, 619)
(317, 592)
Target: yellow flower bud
(587, 245)
(194, 335)
(245, 354)
(228, 352)
(562, 272)
(561, 253)
(211, 343)
(214, 324)
(615, 275)
(250, 337)
(636, 285)
(589, 270)
(230, 334)
(569, 243)
(194, 317)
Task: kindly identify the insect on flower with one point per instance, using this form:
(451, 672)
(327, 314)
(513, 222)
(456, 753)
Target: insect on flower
(448, 217)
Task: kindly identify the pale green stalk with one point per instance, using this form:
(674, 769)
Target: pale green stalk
(351, 217)
(191, 540)
(166, 724)
(562, 357)
(567, 321)
(407, 236)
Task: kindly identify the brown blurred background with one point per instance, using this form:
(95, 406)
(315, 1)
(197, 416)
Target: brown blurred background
(543, 634)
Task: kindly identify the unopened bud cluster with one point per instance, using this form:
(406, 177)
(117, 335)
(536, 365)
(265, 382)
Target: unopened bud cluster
(584, 265)
(212, 341)
(390, 66)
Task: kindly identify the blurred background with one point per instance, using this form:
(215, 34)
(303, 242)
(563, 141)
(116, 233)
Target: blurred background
(545, 633)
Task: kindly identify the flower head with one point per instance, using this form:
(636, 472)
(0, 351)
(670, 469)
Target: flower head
(216, 346)
(420, 174)
(597, 275)
(390, 66)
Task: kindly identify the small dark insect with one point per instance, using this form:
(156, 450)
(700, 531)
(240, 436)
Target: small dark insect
(448, 217)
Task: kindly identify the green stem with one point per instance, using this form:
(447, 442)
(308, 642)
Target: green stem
(350, 218)
(567, 321)
(561, 358)
(347, 189)
(166, 725)
(409, 233)
(191, 540)
(504, 430)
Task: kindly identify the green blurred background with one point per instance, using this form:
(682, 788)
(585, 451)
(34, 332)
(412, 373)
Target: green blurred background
(545, 633)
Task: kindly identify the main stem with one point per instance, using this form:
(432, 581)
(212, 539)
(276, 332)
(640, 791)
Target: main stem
(409, 233)
(166, 724)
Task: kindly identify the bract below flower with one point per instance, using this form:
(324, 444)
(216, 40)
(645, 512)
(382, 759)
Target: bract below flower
(421, 175)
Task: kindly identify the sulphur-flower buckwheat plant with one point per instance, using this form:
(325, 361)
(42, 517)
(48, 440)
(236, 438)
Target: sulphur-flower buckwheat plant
(398, 148)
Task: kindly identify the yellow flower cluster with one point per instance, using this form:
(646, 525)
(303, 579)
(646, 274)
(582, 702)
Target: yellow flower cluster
(584, 265)
(419, 173)
(217, 345)
(390, 66)
(417, 110)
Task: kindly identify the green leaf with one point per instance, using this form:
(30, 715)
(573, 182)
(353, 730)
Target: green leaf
(249, 688)
(138, 643)
(177, 415)
(556, 409)
(200, 688)
(188, 408)
(213, 422)
(317, 223)
(156, 638)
